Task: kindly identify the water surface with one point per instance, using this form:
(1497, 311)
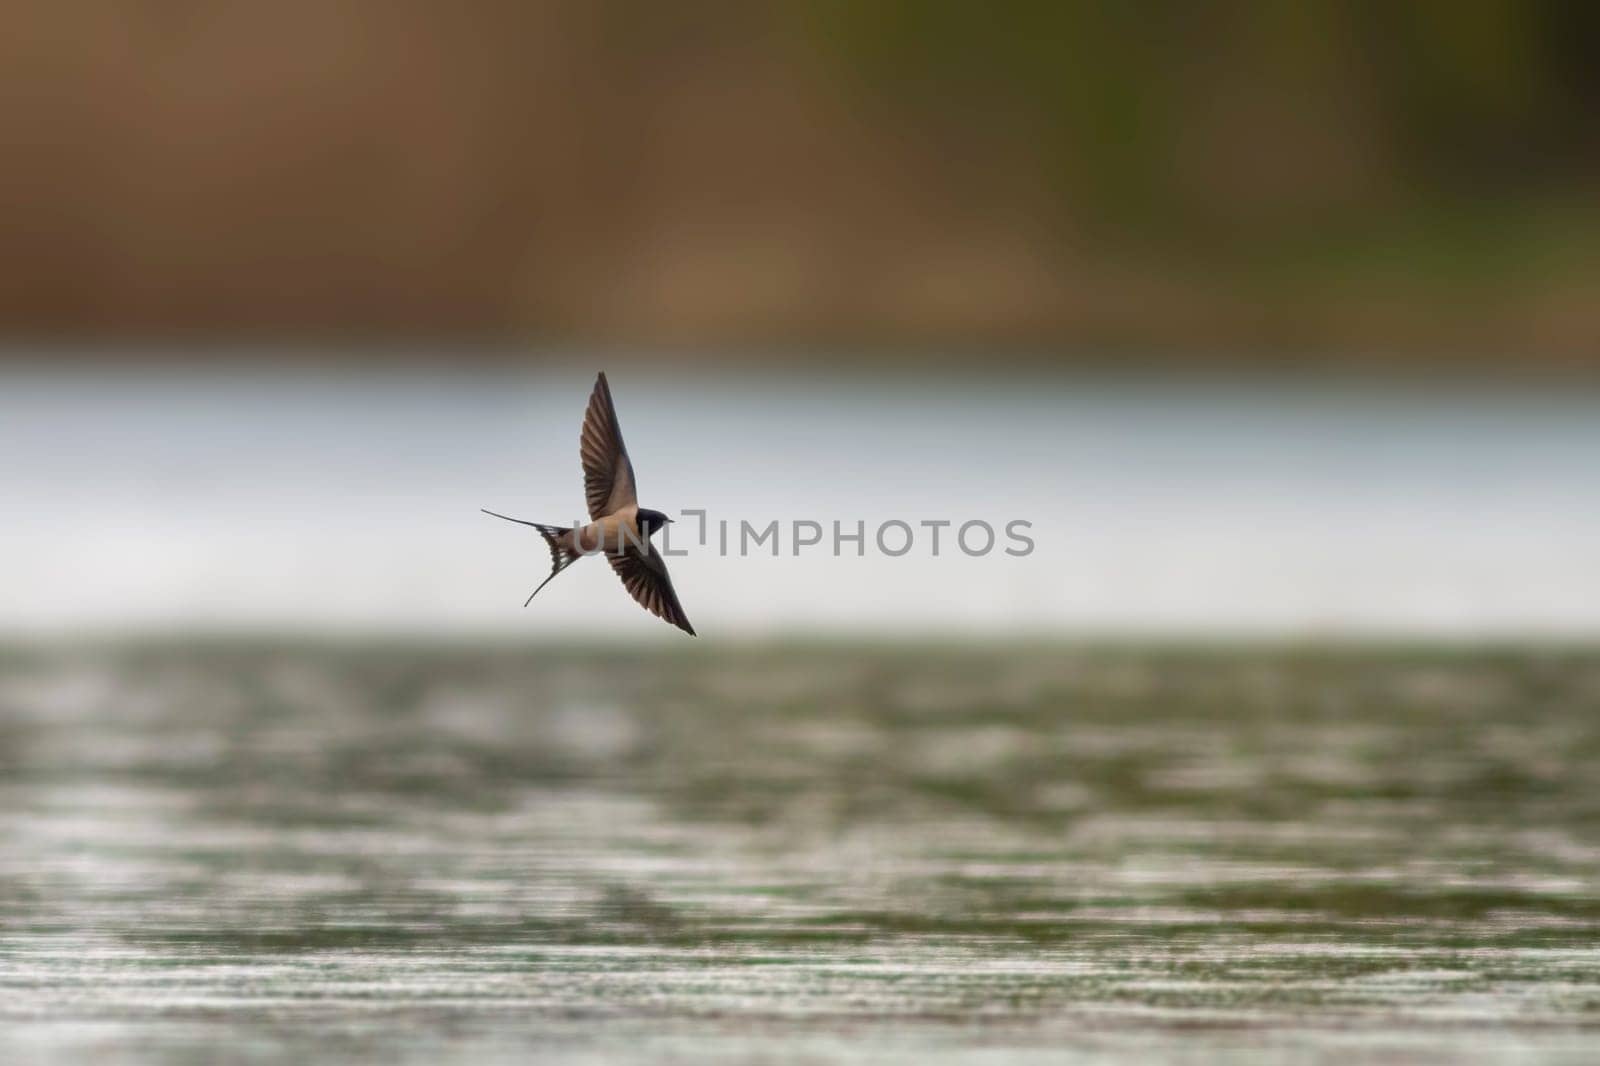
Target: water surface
(283, 500)
(825, 854)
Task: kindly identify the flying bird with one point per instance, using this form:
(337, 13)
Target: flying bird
(617, 525)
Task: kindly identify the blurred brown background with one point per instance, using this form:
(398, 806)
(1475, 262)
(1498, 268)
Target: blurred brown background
(1357, 181)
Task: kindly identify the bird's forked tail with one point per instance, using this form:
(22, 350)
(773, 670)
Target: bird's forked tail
(562, 551)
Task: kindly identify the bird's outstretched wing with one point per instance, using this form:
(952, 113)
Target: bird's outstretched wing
(607, 471)
(646, 579)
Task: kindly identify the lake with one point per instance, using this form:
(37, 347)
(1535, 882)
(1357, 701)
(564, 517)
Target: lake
(285, 500)
(427, 852)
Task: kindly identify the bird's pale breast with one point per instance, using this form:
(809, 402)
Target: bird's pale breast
(610, 533)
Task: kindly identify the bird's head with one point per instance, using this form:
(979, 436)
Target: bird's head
(650, 521)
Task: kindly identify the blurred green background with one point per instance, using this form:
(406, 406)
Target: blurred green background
(1152, 182)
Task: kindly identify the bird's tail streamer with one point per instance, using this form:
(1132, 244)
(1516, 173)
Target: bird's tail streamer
(563, 553)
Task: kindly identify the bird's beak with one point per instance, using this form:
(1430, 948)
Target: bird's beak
(669, 521)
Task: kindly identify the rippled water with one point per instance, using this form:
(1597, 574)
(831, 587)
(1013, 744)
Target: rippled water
(425, 854)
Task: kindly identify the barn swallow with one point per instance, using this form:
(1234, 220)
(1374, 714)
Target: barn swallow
(617, 525)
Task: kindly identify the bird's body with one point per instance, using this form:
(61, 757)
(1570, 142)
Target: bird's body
(618, 527)
(609, 532)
